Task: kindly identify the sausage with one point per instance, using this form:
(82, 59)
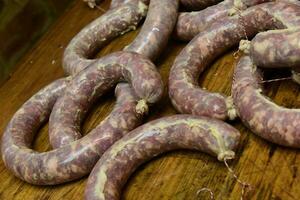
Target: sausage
(278, 48)
(149, 140)
(65, 127)
(159, 24)
(198, 4)
(123, 17)
(94, 81)
(266, 119)
(184, 92)
(189, 24)
(244, 4)
(87, 42)
(189, 4)
(72, 161)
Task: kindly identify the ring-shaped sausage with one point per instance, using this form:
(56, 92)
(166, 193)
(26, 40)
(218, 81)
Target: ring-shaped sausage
(93, 82)
(74, 160)
(162, 135)
(91, 38)
(189, 24)
(150, 42)
(185, 94)
(262, 116)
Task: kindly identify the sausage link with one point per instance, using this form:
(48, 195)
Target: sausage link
(92, 3)
(169, 133)
(93, 82)
(189, 4)
(198, 4)
(189, 24)
(266, 119)
(152, 38)
(87, 42)
(244, 4)
(72, 161)
(157, 28)
(278, 48)
(185, 94)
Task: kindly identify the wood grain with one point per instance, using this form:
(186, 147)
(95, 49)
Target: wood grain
(22, 23)
(271, 170)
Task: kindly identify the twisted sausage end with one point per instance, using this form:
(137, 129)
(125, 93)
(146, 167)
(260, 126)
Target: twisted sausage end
(245, 46)
(231, 111)
(226, 155)
(142, 107)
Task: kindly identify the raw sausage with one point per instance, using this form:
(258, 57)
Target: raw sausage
(90, 39)
(65, 124)
(189, 4)
(169, 133)
(185, 94)
(278, 48)
(72, 161)
(156, 30)
(189, 24)
(266, 119)
(94, 81)
(122, 18)
(198, 4)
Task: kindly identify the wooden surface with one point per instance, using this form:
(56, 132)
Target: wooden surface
(22, 23)
(271, 170)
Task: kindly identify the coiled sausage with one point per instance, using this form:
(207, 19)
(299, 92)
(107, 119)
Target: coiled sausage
(169, 133)
(72, 161)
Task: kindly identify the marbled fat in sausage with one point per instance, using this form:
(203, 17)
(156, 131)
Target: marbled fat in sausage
(69, 162)
(151, 40)
(263, 117)
(156, 30)
(279, 48)
(90, 39)
(198, 4)
(169, 133)
(94, 81)
(189, 24)
(185, 94)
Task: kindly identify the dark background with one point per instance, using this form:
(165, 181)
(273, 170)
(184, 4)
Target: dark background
(22, 23)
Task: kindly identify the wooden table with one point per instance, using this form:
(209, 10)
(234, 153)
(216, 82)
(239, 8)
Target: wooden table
(271, 170)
